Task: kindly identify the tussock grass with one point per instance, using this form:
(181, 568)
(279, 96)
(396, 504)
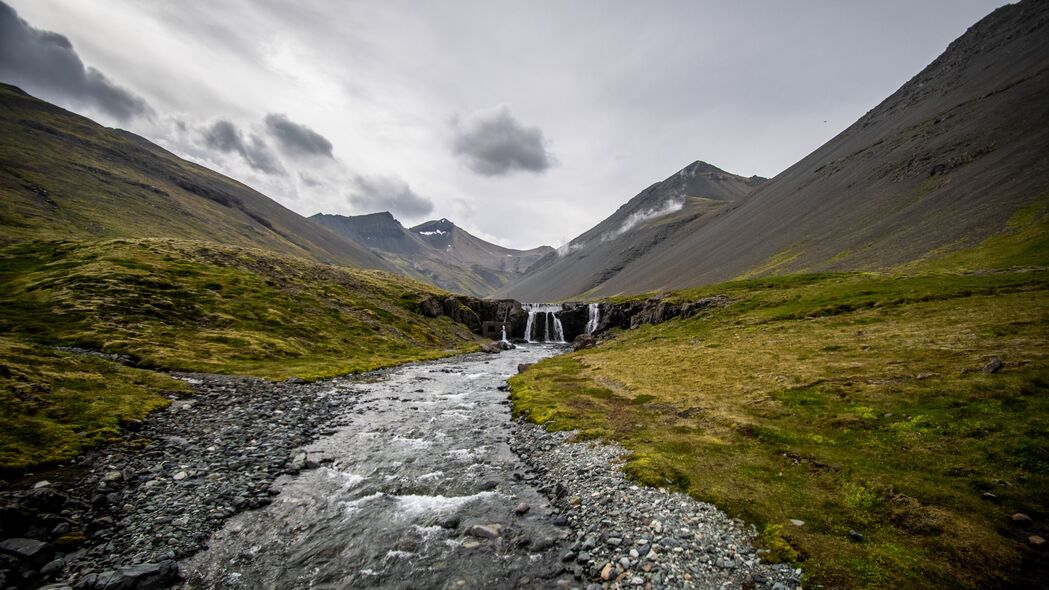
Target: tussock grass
(55, 404)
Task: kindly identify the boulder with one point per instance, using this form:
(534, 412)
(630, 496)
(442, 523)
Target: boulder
(583, 341)
(430, 307)
(35, 553)
(993, 366)
(44, 499)
(144, 576)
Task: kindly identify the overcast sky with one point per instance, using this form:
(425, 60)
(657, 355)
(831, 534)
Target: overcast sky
(525, 122)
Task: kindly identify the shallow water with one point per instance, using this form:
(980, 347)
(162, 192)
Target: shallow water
(424, 457)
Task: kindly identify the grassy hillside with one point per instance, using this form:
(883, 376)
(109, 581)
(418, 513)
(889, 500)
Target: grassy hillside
(185, 306)
(852, 402)
(63, 176)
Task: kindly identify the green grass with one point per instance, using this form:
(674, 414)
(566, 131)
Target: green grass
(850, 401)
(198, 307)
(185, 306)
(55, 404)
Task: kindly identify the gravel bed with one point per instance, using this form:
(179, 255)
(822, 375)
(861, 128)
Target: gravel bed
(157, 496)
(629, 536)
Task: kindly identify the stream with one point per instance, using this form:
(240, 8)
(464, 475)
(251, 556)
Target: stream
(419, 490)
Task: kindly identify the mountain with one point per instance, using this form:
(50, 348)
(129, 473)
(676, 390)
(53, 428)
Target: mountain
(942, 164)
(437, 251)
(445, 236)
(64, 176)
(695, 194)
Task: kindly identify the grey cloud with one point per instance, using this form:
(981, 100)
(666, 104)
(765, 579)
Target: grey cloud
(309, 181)
(296, 138)
(383, 193)
(494, 143)
(225, 137)
(46, 63)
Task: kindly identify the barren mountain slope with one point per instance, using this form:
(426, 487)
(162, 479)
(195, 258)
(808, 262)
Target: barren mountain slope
(437, 251)
(941, 164)
(646, 224)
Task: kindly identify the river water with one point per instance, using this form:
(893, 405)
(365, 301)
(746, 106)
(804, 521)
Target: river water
(424, 458)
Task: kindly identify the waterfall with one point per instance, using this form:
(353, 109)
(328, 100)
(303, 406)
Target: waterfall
(552, 329)
(502, 335)
(593, 317)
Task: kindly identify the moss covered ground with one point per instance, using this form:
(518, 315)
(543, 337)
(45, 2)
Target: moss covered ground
(851, 402)
(183, 306)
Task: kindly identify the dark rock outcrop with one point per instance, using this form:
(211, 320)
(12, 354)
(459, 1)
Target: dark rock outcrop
(473, 312)
(654, 310)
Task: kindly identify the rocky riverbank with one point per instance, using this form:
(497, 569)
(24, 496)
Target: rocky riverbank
(127, 514)
(628, 536)
(128, 511)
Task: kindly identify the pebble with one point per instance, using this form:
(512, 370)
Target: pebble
(1021, 519)
(481, 531)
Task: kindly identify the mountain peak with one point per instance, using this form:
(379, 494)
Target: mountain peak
(701, 167)
(435, 225)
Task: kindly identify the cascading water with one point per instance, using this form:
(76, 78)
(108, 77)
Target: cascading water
(552, 329)
(593, 317)
(502, 335)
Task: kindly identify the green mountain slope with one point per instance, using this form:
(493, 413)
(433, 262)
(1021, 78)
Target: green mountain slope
(63, 176)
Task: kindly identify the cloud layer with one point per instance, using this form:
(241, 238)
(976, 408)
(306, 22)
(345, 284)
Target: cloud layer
(494, 143)
(45, 63)
(224, 136)
(297, 139)
(385, 193)
(638, 217)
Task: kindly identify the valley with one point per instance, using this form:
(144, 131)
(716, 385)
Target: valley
(835, 377)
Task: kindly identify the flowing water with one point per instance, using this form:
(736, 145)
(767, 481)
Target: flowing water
(593, 320)
(424, 458)
(549, 324)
